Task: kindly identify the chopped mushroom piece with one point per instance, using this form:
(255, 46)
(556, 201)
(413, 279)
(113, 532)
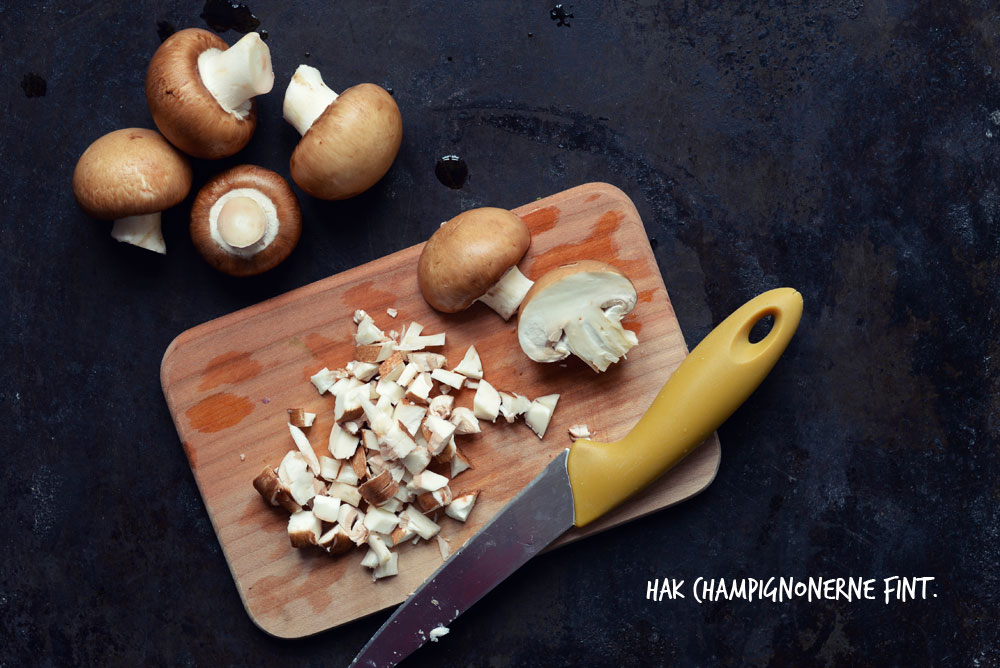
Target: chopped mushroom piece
(579, 431)
(471, 366)
(419, 523)
(437, 633)
(459, 462)
(486, 403)
(324, 379)
(441, 406)
(380, 521)
(379, 489)
(474, 257)
(300, 418)
(537, 417)
(302, 443)
(363, 371)
(387, 569)
(417, 460)
(342, 443)
(274, 491)
(336, 541)
(465, 421)
(374, 353)
(437, 432)
(304, 529)
(455, 380)
(461, 505)
(346, 493)
(328, 468)
(409, 415)
(431, 501)
(326, 508)
(513, 406)
(427, 481)
(443, 547)
(425, 361)
(577, 309)
(419, 390)
(392, 368)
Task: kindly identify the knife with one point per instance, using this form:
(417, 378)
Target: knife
(588, 479)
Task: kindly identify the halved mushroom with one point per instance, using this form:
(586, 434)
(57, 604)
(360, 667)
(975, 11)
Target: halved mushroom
(130, 176)
(245, 220)
(200, 90)
(349, 141)
(577, 309)
(473, 257)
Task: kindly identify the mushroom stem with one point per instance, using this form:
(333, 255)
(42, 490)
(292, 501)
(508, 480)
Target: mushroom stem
(241, 222)
(507, 293)
(237, 74)
(306, 98)
(143, 231)
(595, 338)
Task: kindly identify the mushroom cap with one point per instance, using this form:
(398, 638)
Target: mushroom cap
(183, 108)
(285, 204)
(467, 255)
(350, 146)
(130, 172)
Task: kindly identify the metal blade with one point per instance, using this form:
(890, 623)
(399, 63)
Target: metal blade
(538, 515)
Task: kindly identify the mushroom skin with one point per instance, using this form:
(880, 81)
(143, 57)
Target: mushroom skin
(466, 258)
(183, 107)
(249, 195)
(130, 176)
(577, 309)
(350, 145)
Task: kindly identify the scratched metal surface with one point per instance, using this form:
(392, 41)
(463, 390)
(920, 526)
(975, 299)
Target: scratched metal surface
(846, 148)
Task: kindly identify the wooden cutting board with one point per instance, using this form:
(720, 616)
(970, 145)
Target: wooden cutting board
(229, 382)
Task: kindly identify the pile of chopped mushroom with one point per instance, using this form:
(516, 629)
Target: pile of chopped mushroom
(394, 452)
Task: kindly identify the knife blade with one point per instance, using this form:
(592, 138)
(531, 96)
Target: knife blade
(590, 478)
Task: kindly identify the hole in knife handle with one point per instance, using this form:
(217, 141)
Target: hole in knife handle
(761, 328)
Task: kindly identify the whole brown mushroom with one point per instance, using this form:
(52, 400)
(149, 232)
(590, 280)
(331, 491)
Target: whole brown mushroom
(473, 257)
(245, 221)
(130, 176)
(349, 141)
(200, 91)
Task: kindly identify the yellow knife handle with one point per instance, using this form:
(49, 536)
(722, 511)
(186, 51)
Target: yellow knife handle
(709, 385)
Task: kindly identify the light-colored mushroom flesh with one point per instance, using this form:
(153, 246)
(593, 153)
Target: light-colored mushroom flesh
(577, 309)
(235, 75)
(241, 222)
(306, 98)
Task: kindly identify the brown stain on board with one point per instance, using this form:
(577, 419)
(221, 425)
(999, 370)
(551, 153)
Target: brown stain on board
(229, 368)
(592, 197)
(542, 220)
(600, 243)
(327, 353)
(218, 411)
(367, 296)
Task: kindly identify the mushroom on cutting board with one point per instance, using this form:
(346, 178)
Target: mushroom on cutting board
(130, 176)
(577, 309)
(200, 91)
(473, 257)
(349, 140)
(245, 220)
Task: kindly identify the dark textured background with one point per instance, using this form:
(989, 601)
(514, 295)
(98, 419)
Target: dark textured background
(847, 148)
